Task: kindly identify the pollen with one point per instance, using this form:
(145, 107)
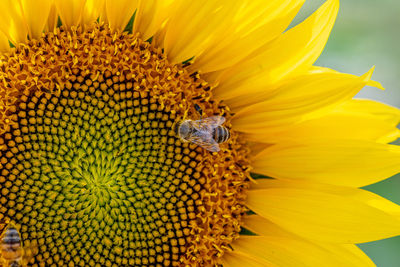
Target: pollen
(92, 170)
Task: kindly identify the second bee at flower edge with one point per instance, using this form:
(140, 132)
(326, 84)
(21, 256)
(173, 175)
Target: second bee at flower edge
(11, 250)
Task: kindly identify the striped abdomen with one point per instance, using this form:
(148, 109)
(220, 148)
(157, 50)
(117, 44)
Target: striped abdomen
(10, 246)
(221, 134)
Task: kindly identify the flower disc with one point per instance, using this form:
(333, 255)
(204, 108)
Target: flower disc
(93, 172)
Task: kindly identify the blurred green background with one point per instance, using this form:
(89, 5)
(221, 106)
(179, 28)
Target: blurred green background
(367, 33)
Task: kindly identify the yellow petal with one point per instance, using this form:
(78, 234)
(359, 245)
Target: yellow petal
(151, 16)
(349, 253)
(238, 259)
(377, 202)
(92, 11)
(385, 112)
(119, 12)
(158, 37)
(36, 13)
(298, 99)
(292, 53)
(371, 83)
(264, 227)
(353, 163)
(70, 11)
(12, 21)
(52, 18)
(4, 44)
(284, 251)
(256, 148)
(322, 216)
(356, 194)
(194, 26)
(355, 119)
(258, 23)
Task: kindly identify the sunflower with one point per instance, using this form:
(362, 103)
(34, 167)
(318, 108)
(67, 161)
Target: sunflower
(94, 171)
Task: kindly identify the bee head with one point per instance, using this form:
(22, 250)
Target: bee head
(184, 129)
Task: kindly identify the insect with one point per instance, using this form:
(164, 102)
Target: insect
(11, 250)
(205, 132)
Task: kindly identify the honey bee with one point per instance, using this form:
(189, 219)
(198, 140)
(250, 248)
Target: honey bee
(11, 250)
(205, 132)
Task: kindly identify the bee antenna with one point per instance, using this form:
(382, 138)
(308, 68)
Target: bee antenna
(199, 110)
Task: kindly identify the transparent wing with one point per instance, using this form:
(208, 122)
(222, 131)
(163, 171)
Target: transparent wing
(205, 140)
(209, 123)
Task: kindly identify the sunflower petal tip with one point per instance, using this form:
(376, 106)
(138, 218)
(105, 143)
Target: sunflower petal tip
(367, 78)
(369, 73)
(375, 84)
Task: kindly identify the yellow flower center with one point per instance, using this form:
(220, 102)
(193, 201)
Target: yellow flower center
(92, 169)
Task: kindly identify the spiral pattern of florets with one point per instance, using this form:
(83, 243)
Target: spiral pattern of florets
(92, 170)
